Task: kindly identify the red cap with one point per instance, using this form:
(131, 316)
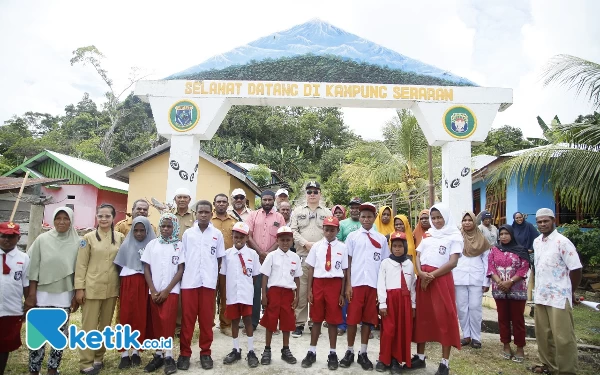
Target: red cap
(331, 221)
(368, 206)
(398, 236)
(9, 228)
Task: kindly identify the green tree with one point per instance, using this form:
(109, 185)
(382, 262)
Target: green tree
(261, 175)
(502, 141)
(575, 73)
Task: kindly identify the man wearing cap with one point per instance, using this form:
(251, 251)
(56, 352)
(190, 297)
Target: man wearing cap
(182, 210)
(307, 224)
(350, 224)
(238, 208)
(140, 208)
(490, 232)
(281, 195)
(558, 274)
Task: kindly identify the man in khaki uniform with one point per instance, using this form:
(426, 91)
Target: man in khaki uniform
(140, 208)
(307, 224)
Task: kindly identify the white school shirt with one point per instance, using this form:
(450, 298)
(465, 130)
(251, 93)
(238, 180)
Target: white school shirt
(472, 271)
(339, 259)
(555, 258)
(12, 284)
(126, 271)
(202, 250)
(366, 258)
(240, 287)
(164, 259)
(282, 268)
(389, 278)
(435, 252)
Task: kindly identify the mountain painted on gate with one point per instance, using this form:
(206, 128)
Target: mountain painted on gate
(317, 51)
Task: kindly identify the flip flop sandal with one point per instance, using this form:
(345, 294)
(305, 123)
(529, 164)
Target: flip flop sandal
(518, 359)
(540, 369)
(506, 356)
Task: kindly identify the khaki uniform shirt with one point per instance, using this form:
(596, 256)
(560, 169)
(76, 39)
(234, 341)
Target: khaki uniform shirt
(124, 226)
(225, 226)
(308, 226)
(185, 222)
(94, 270)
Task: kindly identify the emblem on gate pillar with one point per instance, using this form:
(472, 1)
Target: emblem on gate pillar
(459, 122)
(184, 115)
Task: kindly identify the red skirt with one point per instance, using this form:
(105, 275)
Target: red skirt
(162, 318)
(134, 299)
(10, 333)
(437, 320)
(396, 328)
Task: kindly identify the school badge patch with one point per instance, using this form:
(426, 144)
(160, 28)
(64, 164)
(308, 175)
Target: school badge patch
(459, 122)
(213, 250)
(249, 272)
(338, 265)
(376, 256)
(82, 243)
(292, 272)
(442, 250)
(184, 115)
(175, 259)
(18, 275)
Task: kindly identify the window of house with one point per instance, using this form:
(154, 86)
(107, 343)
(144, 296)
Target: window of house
(566, 215)
(70, 197)
(71, 206)
(496, 204)
(476, 201)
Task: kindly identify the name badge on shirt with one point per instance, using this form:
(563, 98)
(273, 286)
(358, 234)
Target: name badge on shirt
(442, 250)
(276, 224)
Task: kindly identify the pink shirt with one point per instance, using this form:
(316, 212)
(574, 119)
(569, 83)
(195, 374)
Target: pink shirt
(505, 265)
(264, 227)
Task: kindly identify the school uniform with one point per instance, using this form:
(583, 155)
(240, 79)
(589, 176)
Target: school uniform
(396, 291)
(239, 268)
(12, 282)
(329, 261)
(202, 251)
(133, 296)
(367, 249)
(282, 268)
(436, 316)
(164, 260)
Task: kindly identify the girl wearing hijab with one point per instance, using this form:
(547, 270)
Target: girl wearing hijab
(508, 264)
(383, 221)
(339, 211)
(525, 233)
(52, 285)
(97, 283)
(422, 227)
(436, 319)
(401, 225)
(471, 281)
(133, 291)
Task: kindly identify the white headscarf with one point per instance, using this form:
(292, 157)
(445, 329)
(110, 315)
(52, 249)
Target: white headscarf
(449, 231)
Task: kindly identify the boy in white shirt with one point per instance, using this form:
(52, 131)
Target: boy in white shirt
(238, 269)
(328, 261)
(14, 284)
(366, 249)
(281, 272)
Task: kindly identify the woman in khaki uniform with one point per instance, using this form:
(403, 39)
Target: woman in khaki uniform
(97, 282)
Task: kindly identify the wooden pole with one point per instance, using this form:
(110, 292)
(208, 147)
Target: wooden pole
(12, 215)
(394, 209)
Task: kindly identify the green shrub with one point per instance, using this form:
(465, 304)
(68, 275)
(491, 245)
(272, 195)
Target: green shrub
(587, 241)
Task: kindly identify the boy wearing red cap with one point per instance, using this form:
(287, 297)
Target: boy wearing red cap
(328, 261)
(14, 284)
(239, 267)
(281, 272)
(366, 249)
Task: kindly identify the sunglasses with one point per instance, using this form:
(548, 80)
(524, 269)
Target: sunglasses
(239, 198)
(312, 192)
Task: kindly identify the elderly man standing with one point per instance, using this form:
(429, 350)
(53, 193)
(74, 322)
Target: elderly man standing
(185, 215)
(285, 209)
(307, 224)
(140, 208)
(262, 237)
(223, 222)
(238, 208)
(558, 274)
(281, 196)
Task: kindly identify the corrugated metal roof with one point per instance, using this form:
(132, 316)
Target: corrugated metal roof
(11, 183)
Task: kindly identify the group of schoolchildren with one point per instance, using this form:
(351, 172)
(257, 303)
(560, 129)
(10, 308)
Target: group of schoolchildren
(153, 271)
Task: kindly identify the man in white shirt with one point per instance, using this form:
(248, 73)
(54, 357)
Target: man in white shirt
(558, 274)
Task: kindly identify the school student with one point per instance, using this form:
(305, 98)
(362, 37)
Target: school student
(204, 247)
(328, 261)
(97, 283)
(436, 317)
(133, 290)
(164, 264)
(366, 249)
(239, 267)
(396, 293)
(14, 285)
(281, 275)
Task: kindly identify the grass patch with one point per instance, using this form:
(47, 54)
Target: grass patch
(587, 325)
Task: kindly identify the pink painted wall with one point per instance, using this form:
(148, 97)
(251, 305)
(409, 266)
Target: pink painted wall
(118, 200)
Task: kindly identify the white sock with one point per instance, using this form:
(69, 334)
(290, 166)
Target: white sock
(168, 353)
(351, 349)
(363, 348)
(159, 352)
(421, 356)
(134, 352)
(446, 362)
(250, 343)
(331, 350)
(124, 354)
(236, 344)
(312, 349)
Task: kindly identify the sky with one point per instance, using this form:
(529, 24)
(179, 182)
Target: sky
(501, 43)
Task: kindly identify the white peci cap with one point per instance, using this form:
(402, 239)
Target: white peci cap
(238, 191)
(282, 191)
(182, 191)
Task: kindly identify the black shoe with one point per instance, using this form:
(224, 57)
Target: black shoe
(381, 367)
(287, 356)
(265, 359)
(416, 362)
(347, 360)
(98, 366)
(396, 368)
(125, 363)
(309, 359)
(232, 357)
(93, 371)
(206, 362)
(183, 362)
(364, 362)
(170, 367)
(156, 363)
(443, 370)
(136, 360)
(332, 361)
(252, 359)
(298, 332)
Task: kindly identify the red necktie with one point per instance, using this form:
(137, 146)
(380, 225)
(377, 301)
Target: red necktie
(375, 243)
(328, 258)
(5, 267)
(244, 270)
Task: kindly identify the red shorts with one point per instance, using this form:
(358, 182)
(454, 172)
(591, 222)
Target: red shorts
(10, 334)
(363, 307)
(325, 306)
(237, 311)
(279, 309)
